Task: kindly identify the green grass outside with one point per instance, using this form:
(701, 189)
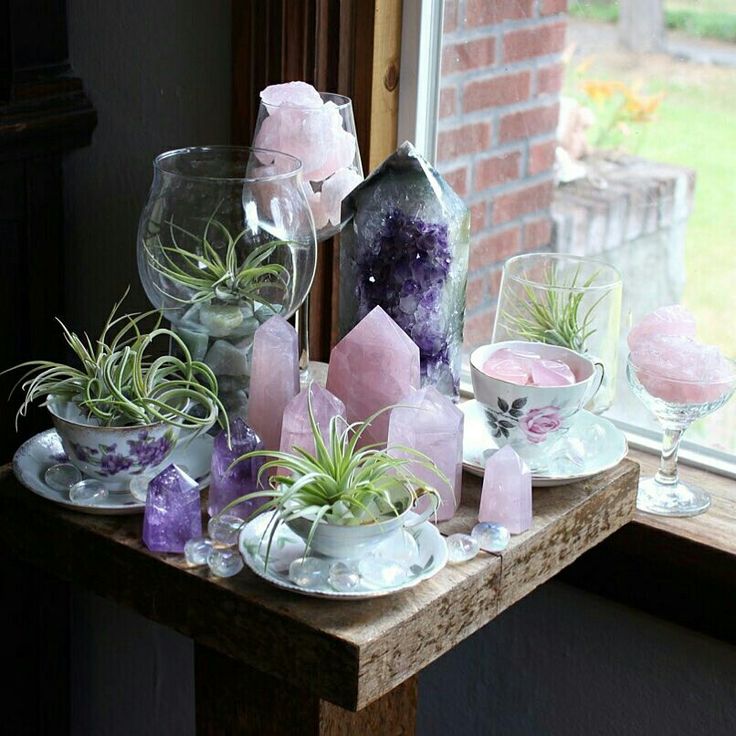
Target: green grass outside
(712, 19)
(696, 127)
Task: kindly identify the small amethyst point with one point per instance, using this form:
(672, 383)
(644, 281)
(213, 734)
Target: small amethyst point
(227, 485)
(173, 512)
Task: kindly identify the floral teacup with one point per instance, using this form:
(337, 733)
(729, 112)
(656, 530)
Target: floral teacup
(532, 418)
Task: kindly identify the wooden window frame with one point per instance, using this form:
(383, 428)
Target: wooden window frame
(351, 47)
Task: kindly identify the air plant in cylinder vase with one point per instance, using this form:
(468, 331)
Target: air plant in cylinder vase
(566, 301)
(225, 242)
(119, 412)
(342, 500)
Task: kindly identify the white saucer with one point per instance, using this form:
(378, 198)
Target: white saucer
(37, 454)
(592, 445)
(287, 546)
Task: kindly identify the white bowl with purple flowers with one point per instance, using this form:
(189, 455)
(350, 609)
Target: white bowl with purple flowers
(531, 392)
(113, 455)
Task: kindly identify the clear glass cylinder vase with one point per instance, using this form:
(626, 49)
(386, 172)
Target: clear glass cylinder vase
(226, 240)
(564, 300)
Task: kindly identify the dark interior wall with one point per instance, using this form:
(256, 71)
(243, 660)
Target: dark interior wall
(158, 73)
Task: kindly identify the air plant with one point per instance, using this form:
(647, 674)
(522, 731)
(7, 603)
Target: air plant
(551, 312)
(339, 483)
(212, 276)
(117, 383)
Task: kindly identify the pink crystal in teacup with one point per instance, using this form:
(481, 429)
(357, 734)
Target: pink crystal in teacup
(672, 365)
(527, 369)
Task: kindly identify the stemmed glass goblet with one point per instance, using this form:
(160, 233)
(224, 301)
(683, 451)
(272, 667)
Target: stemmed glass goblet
(319, 129)
(675, 404)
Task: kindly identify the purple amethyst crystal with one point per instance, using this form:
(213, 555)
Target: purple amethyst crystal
(173, 513)
(226, 486)
(407, 252)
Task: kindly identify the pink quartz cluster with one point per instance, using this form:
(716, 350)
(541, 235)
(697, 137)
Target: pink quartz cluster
(671, 364)
(301, 124)
(527, 369)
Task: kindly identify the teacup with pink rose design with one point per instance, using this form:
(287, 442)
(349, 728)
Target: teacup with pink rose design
(531, 392)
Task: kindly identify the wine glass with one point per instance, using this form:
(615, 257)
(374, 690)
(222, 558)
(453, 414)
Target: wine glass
(226, 241)
(322, 135)
(676, 404)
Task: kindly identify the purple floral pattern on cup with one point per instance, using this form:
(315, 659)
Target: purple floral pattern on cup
(536, 424)
(146, 451)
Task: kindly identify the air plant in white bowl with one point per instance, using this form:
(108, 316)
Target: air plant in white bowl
(342, 499)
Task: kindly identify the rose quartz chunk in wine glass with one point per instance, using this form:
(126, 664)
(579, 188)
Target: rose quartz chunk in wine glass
(672, 365)
(524, 369)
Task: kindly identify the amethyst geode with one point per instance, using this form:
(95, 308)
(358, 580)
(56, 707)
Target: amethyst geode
(406, 250)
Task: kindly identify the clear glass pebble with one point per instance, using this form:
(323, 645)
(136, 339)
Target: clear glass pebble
(225, 529)
(224, 562)
(461, 548)
(309, 572)
(197, 550)
(138, 487)
(89, 491)
(62, 477)
(382, 573)
(400, 547)
(491, 537)
(343, 577)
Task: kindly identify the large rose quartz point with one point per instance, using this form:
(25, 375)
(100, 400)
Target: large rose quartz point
(274, 379)
(373, 367)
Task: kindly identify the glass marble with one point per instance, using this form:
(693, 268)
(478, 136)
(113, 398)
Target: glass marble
(491, 537)
(62, 477)
(461, 548)
(197, 550)
(309, 572)
(225, 529)
(343, 577)
(224, 563)
(382, 573)
(139, 487)
(87, 492)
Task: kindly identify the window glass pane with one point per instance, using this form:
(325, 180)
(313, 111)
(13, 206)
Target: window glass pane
(648, 91)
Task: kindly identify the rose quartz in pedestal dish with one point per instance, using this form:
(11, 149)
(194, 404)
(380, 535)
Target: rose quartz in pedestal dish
(374, 366)
(506, 497)
(527, 369)
(274, 378)
(429, 422)
(296, 430)
(672, 320)
(672, 365)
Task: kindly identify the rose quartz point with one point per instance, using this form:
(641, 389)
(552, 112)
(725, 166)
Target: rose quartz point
(429, 422)
(296, 430)
(506, 497)
(374, 366)
(274, 379)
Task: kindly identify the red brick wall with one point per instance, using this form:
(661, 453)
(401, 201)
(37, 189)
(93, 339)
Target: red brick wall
(501, 80)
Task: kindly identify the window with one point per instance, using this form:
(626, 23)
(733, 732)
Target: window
(659, 206)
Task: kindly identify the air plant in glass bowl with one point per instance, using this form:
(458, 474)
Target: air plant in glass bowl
(567, 301)
(119, 411)
(341, 500)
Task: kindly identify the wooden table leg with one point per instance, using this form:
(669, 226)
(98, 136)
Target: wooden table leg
(234, 699)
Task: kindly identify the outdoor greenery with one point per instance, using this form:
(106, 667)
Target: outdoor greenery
(707, 19)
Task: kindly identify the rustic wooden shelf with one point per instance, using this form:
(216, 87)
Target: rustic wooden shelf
(323, 658)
